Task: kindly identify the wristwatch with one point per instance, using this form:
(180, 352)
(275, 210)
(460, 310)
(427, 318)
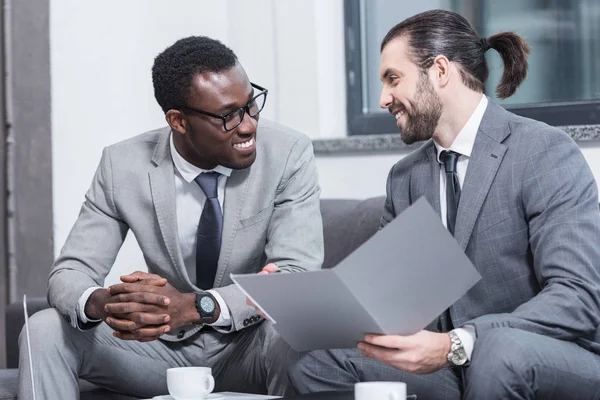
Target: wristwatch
(458, 355)
(206, 306)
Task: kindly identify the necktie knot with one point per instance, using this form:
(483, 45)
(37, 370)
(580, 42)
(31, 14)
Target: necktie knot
(449, 158)
(208, 183)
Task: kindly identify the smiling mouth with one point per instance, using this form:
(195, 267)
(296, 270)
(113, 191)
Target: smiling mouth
(244, 145)
(399, 113)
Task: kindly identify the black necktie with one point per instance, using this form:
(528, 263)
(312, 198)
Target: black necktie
(210, 228)
(450, 158)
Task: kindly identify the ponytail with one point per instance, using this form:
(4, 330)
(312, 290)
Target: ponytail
(513, 50)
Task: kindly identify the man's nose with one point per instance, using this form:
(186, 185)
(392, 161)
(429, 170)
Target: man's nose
(248, 125)
(386, 99)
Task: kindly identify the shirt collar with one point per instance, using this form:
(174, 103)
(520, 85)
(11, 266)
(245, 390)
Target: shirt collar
(188, 171)
(465, 140)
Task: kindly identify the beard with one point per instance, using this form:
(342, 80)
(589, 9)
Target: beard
(426, 110)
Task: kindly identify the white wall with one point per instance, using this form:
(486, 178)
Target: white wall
(102, 53)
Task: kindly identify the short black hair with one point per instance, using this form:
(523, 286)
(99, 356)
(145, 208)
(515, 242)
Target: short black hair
(174, 69)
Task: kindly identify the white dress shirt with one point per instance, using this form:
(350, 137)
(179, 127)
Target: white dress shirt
(463, 144)
(189, 199)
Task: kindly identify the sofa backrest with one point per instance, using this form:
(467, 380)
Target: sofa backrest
(347, 224)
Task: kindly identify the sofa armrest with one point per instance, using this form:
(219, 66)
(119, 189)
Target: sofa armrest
(14, 323)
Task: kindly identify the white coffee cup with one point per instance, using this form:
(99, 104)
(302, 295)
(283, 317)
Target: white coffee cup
(380, 391)
(190, 383)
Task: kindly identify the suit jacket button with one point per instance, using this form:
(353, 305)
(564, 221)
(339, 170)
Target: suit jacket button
(246, 322)
(181, 334)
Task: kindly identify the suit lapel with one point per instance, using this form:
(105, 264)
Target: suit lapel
(162, 187)
(425, 179)
(235, 193)
(486, 157)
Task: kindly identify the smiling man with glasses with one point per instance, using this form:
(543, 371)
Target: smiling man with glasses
(212, 194)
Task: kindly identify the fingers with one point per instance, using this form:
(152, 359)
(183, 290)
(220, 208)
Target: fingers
(138, 321)
(140, 297)
(388, 341)
(145, 334)
(269, 268)
(131, 307)
(131, 288)
(141, 276)
(377, 352)
(154, 282)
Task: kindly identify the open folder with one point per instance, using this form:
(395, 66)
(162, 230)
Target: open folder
(397, 282)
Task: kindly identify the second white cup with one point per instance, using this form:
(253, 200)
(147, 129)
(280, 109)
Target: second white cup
(190, 383)
(380, 391)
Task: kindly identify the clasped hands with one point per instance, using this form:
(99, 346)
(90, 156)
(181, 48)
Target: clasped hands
(143, 307)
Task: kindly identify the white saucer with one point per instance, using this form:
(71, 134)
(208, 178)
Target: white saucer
(212, 396)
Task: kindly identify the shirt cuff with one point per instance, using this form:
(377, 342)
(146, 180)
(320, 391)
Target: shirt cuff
(224, 320)
(81, 306)
(467, 336)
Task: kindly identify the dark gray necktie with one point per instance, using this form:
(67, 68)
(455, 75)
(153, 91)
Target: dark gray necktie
(210, 228)
(450, 158)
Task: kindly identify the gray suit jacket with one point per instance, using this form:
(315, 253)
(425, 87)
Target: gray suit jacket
(528, 219)
(271, 214)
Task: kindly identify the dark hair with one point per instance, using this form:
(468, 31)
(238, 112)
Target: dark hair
(438, 32)
(174, 69)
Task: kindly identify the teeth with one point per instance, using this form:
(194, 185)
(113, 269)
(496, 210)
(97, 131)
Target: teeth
(245, 144)
(399, 114)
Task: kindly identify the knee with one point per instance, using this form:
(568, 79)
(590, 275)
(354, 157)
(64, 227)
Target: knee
(299, 372)
(44, 327)
(502, 361)
(505, 351)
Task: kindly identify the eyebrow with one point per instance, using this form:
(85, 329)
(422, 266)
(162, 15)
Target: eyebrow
(231, 106)
(390, 71)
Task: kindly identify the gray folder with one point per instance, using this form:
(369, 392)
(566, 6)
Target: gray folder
(397, 282)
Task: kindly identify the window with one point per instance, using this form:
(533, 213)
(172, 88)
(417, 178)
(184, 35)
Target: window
(563, 83)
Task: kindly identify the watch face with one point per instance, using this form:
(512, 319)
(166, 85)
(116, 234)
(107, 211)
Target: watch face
(459, 358)
(207, 304)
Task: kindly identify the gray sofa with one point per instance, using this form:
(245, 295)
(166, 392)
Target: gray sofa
(346, 225)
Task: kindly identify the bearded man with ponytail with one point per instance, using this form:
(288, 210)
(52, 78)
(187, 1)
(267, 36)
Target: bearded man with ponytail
(518, 197)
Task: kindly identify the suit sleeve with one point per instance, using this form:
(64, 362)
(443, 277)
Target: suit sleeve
(560, 203)
(90, 249)
(295, 232)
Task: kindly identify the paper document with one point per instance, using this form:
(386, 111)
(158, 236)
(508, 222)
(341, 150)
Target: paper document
(397, 282)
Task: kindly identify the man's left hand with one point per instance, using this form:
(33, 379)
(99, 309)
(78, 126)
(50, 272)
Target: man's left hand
(424, 352)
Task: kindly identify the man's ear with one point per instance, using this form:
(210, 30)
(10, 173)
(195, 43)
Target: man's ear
(441, 70)
(176, 121)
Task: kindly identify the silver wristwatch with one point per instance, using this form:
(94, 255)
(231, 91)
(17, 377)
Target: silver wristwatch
(458, 355)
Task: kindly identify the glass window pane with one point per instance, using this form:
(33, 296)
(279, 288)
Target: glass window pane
(379, 16)
(565, 40)
(564, 35)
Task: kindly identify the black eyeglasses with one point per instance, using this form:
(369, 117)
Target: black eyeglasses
(232, 119)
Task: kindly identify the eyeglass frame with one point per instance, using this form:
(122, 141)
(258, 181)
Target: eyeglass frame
(246, 108)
